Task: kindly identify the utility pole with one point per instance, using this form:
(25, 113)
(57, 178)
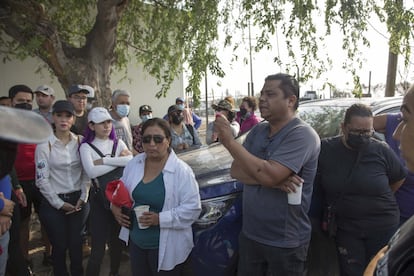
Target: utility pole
(391, 74)
(251, 86)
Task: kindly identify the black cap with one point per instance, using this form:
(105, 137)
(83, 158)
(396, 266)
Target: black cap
(80, 88)
(62, 105)
(144, 108)
(174, 108)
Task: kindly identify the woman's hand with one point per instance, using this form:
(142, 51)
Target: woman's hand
(149, 219)
(121, 218)
(125, 152)
(68, 208)
(5, 224)
(369, 271)
(8, 206)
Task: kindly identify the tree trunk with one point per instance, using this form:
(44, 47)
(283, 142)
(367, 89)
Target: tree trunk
(89, 64)
(391, 74)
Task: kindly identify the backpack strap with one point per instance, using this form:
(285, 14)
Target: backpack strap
(114, 148)
(96, 149)
(100, 153)
(191, 130)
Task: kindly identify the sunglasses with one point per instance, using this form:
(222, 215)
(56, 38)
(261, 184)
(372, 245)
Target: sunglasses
(157, 139)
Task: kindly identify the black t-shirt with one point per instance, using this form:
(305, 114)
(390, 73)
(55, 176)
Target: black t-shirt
(399, 259)
(366, 201)
(80, 125)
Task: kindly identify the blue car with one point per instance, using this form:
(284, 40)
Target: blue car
(217, 229)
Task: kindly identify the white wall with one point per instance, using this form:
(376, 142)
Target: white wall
(141, 86)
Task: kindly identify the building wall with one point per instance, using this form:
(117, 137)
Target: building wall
(141, 86)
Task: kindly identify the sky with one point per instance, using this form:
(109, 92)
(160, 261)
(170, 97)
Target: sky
(238, 74)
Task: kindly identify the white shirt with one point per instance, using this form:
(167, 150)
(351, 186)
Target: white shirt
(59, 170)
(182, 206)
(88, 155)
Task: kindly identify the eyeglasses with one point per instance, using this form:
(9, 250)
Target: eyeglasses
(361, 132)
(79, 98)
(157, 139)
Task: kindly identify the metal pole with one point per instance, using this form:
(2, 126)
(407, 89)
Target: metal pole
(206, 92)
(251, 63)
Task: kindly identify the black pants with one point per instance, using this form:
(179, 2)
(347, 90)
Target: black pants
(104, 228)
(16, 264)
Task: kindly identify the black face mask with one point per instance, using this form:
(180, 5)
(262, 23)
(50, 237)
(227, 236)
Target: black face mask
(26, 106)
(243, 111)
(357, 142)
(177, 119)
(8, 151)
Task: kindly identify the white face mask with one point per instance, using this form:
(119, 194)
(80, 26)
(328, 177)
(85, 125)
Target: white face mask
(145, 118)
(122, 110)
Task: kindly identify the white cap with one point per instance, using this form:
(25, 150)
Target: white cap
(99, 115)
(45, 89)
(23, 126)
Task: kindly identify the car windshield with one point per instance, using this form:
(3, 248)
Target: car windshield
(211, 164)
(325, 116)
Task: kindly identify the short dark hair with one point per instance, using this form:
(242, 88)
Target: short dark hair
(19, 88)
(289, 85)
(358, 109)
(161, 123)
(4, 98)
(251, 102)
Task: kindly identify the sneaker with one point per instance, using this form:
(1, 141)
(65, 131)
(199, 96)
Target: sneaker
(47, 259)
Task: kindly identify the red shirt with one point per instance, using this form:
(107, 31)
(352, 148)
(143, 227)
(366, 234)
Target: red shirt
(25, 162)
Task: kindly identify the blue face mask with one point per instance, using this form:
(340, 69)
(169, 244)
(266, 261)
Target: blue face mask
(122, 110)
(145, 118)
(181, 105)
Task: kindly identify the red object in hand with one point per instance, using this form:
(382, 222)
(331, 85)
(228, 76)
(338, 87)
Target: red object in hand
(117, 194)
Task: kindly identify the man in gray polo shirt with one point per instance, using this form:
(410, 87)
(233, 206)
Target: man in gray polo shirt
(275, 233)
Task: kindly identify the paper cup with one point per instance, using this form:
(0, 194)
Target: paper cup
(139, 210)
(296, 197)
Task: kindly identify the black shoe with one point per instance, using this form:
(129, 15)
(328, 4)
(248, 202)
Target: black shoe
(47, 260)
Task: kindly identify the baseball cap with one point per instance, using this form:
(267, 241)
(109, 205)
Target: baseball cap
(174, 108)
(223, 104)
(144, 108)
(80, 88)
(62, 105)
(99, 115)
(45, 89)
(179, 99)
(23, 126)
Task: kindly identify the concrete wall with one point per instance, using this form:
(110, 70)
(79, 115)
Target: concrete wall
(141, 86)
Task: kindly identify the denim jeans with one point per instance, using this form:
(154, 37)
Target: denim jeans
(355, 250)
(4, 244)
(103, 228)
(65, 234)
(260, 259)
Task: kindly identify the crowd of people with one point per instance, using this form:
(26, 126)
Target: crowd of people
(61, 167)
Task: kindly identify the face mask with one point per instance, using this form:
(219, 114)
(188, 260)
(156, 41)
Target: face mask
(177, 119)
(145, 118)
(357, 141)
(26, 106)
(243, 111)
(181, 105)
(122, 110)
(8, 151)
(89, 106)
